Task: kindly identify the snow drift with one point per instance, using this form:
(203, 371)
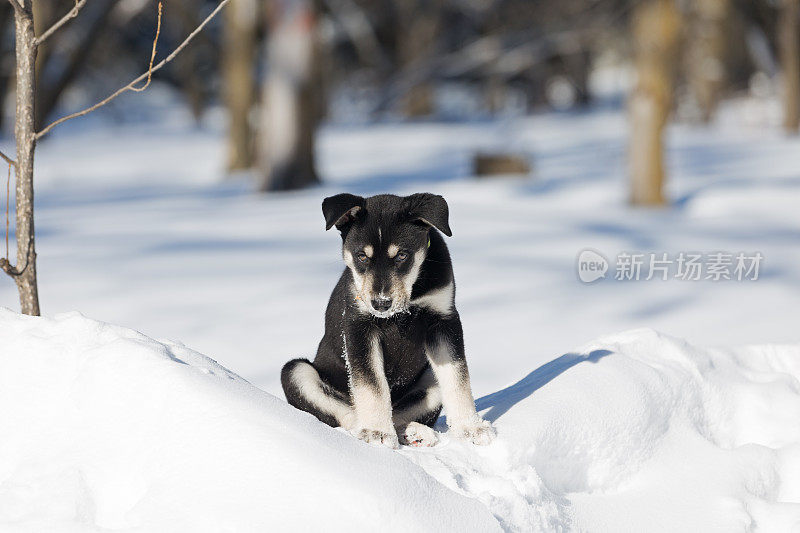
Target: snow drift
(641, 432)
(104, 428)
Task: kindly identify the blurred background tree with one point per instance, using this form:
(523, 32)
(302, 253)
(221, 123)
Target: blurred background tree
(281, 67)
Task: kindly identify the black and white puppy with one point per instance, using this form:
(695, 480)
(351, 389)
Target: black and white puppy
(393, 350)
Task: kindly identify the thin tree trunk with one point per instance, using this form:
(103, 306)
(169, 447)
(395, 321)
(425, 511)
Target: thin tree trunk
(26, 145)
(789, 35)
(190, 77)
(292, 99)
(707, 21)
(238, 57)
(656, 27)
(419, 24)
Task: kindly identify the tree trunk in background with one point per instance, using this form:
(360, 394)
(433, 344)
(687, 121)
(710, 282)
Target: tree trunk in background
(238, 68)
(579, 67)
(418, 27)
(656, 28)
(292, 100)
(187, 64)
(789, 39)
(26, 145)
(705, 55)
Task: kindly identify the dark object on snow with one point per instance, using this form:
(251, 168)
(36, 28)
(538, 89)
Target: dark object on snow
(393, 349)
(495, 164)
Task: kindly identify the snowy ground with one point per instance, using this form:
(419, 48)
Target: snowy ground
(135, 227)
(106, 429)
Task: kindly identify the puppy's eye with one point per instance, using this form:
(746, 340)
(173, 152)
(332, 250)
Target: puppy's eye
(362, 257)
(401, 256)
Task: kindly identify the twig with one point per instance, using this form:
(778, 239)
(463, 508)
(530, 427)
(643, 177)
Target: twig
(132, 84)
(8, 206)
(6, 267)
(152, 55)
(4, 261)
(8, 159)
(63, 20)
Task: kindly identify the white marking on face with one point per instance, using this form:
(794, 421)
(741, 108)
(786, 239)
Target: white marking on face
(439, 300)
(400, 286)
(306, 378)
(380, 236)
(361, 284)
(392, 250)
(400, 289)
(453, 378)
(373, 407)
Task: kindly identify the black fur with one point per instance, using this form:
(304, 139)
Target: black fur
(413, 224)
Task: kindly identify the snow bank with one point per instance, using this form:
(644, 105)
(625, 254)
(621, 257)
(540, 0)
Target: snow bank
(102, 427)
(640, 432)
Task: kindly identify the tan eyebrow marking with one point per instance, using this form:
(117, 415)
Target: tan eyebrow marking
(392, 250)
(368, 250)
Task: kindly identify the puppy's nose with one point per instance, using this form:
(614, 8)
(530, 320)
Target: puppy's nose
(381, 304)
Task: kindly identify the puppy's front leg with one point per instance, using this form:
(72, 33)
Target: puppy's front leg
(445, 349)
(372, 400)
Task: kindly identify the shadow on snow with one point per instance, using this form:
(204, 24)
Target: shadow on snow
(500, 402)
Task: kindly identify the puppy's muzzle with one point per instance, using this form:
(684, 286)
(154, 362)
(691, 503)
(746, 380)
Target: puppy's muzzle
(381, 304)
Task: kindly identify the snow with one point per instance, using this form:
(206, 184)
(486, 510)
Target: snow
(640, 431)
(135, 227)
(105, 428)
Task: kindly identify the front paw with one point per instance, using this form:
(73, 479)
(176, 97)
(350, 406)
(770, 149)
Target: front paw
(417, 435)
(479, 431)
(375, 436)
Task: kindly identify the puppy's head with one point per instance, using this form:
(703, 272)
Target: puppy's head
(385, 240)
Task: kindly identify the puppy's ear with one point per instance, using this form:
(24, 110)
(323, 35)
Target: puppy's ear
(430, 209)
(341, 209)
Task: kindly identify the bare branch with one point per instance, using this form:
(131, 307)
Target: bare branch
(152, 55)
(8, 159)
(132, 85)
(5, 264)
(63, 20)
(6, 267)
(8, 206)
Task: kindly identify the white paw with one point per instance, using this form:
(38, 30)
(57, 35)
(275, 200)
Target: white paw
(374, 436)
(480, 432)
(419, 435)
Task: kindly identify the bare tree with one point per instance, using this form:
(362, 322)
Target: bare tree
(656, 27)
(26, 136)
(707, 22)
(789, 42)
(190, 76)
(292, 97)
(238, 66)
(419, 24)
